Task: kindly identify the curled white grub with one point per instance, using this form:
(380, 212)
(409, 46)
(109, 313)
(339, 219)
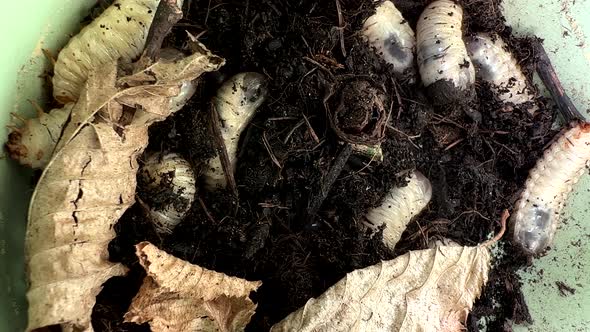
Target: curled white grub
(536, 215)
(172, 176)
(236, 104)
(399, 207)
(392, 37)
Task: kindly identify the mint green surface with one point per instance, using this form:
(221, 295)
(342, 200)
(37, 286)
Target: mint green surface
(26, 27)
(565, 26)
(29, 25)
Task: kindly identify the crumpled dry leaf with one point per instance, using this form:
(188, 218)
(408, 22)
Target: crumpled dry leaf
(88, 184)
(179, 296)
(426, 290)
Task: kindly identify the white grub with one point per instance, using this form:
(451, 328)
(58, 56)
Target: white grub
(496, 65)
(442, 57)
(167, 174)
(119, 33)
(546, 190)
(33, 143)
(236, 103)
(187, 89)
(399, 207)
(392, 37)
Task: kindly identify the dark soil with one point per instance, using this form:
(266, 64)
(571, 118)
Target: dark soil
(476, 155)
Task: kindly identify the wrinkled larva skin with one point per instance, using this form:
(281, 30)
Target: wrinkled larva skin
(537, 212)
(399, 207)
(32, 145)
(445, 67)
(119, 33)
(496, 65)
(174, 172)
(236, 103)
(392, 37)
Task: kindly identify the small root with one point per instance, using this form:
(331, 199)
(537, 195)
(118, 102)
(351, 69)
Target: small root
(505, 216)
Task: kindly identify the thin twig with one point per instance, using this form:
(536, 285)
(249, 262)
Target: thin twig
(317, 199)
(49, 56)
(405, 135)
(341, 27)
(505, 147)
(454, 144)
(18, 117)
(299, 124)
(167, 14)
(471, 212)
(222, 150)
(399, 98)
(207, 213)
(311, 131)
(498, 236)
(37, 107)
(208, 10)
(306, 58)
(269, 150)
(283, 118)
(549, 77)
(365, 166)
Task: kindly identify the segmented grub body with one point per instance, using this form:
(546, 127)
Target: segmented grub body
(445, 67)
(33, 143)
(399, 207)
(546, 190)
(496, 65)
(236, 103)
(392, 37)
(172, 176)
(118, 34)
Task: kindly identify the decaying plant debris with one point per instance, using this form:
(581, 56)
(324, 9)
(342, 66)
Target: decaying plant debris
(426, 290)
(90, 182)
(178, 296)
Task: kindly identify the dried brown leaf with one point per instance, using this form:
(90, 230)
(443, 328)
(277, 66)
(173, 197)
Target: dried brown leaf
(179, 296)
(88, 184)
(426, 290)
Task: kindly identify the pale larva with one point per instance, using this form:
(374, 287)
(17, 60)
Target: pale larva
(187, 89)
(392, 37)
(33, 143)
(172, 176)
(496, 65)
(236, 103)
(537, 212)
(399, 207)
(445, 67)
(119, 32)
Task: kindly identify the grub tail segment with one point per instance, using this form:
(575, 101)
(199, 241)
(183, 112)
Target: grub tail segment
(499, 67)
(445, 66)
(538, 209)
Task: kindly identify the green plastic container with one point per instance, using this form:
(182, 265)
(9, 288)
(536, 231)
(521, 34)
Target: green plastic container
(30, 25)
